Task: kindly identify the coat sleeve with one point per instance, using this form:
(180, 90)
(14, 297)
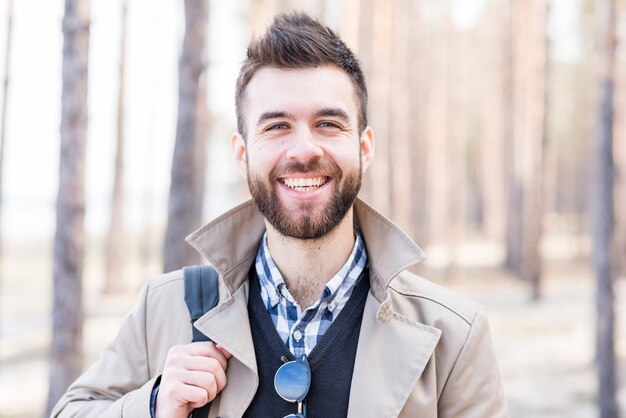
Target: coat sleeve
(474, 388)
(119, 383)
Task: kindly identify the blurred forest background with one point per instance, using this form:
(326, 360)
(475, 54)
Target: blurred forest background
(501, 149)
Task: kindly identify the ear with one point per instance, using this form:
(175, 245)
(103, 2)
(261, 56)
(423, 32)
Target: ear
(239, 153)
(366, 142)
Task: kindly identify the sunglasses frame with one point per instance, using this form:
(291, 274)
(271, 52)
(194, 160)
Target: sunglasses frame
(299, 370)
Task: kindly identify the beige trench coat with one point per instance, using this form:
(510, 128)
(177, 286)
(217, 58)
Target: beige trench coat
(423, 351)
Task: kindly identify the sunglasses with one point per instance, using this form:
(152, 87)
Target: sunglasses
(292, 382)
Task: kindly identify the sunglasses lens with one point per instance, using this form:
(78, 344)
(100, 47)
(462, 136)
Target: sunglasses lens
(292, 381)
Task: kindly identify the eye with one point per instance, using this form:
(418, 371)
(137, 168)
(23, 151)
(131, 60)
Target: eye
(328, 124)
(277, 126)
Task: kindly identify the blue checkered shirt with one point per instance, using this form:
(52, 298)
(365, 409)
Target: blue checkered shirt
(301, 330)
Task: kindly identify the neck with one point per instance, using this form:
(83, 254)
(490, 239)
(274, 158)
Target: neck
(307, 265)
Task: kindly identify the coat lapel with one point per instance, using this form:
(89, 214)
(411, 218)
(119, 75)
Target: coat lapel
(390, 359)
(228, 325)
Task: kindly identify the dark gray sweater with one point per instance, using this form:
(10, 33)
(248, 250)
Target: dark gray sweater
(331, 360)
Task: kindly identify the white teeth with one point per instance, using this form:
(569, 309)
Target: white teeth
(301, 184)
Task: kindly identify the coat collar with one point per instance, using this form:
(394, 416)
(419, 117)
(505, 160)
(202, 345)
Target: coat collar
(231, 241)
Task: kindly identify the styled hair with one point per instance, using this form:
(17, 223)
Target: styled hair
(293, 41)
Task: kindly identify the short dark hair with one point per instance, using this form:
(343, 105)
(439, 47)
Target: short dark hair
(296, 40)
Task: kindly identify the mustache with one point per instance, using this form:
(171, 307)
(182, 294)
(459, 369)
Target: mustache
(326, 168)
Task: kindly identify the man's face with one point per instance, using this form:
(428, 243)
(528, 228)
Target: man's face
(303, 157)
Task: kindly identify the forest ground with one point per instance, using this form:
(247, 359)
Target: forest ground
(545, 349)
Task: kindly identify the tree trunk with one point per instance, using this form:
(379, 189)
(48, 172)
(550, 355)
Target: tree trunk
(514, 189)
(260, 14)
(534, 141)
(67, 315)
(185, 201)
(349, 25)
(202, 131)
(115, 251)
(419, 73)
(399, 128)
(492, 209)
(525, 153)
(366, 57)
(380, 98)
(458, 99)
(438, 129)
(5, 95)
(602, 208)
(619, 155)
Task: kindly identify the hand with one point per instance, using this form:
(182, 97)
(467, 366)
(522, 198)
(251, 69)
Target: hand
(193, 376)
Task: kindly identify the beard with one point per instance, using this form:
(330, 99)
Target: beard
(307, 224)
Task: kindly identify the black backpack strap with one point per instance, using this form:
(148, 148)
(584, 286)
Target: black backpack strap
(201, 295)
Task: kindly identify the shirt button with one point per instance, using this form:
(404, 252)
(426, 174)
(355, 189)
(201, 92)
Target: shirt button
(297, 335)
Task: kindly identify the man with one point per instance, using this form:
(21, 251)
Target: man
(308, 273)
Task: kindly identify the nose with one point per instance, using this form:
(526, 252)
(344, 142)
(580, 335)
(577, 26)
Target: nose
(304, 146)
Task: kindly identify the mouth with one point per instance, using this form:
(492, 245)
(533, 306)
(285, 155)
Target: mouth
(301, 184)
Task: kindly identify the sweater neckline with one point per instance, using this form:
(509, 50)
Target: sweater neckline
(353, 307)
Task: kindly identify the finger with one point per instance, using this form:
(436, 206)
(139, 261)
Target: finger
(224, 351)
(203, 348)
(219, 374)
(181, 394)
(204, 364)
(195, 396)
(212, 382)
(181, 354)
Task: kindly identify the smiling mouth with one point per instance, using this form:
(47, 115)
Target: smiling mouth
(304, 185)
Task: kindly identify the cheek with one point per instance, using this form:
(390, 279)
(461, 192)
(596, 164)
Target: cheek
(260, 164)
(346, 157)
(267, 154)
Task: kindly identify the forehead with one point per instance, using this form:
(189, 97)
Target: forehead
(299, 91)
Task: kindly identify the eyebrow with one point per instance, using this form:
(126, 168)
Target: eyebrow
(333, 112)
(273, 115)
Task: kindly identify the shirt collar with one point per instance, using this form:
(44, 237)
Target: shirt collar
(273, 283)
(271, 280)
(349, 272)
